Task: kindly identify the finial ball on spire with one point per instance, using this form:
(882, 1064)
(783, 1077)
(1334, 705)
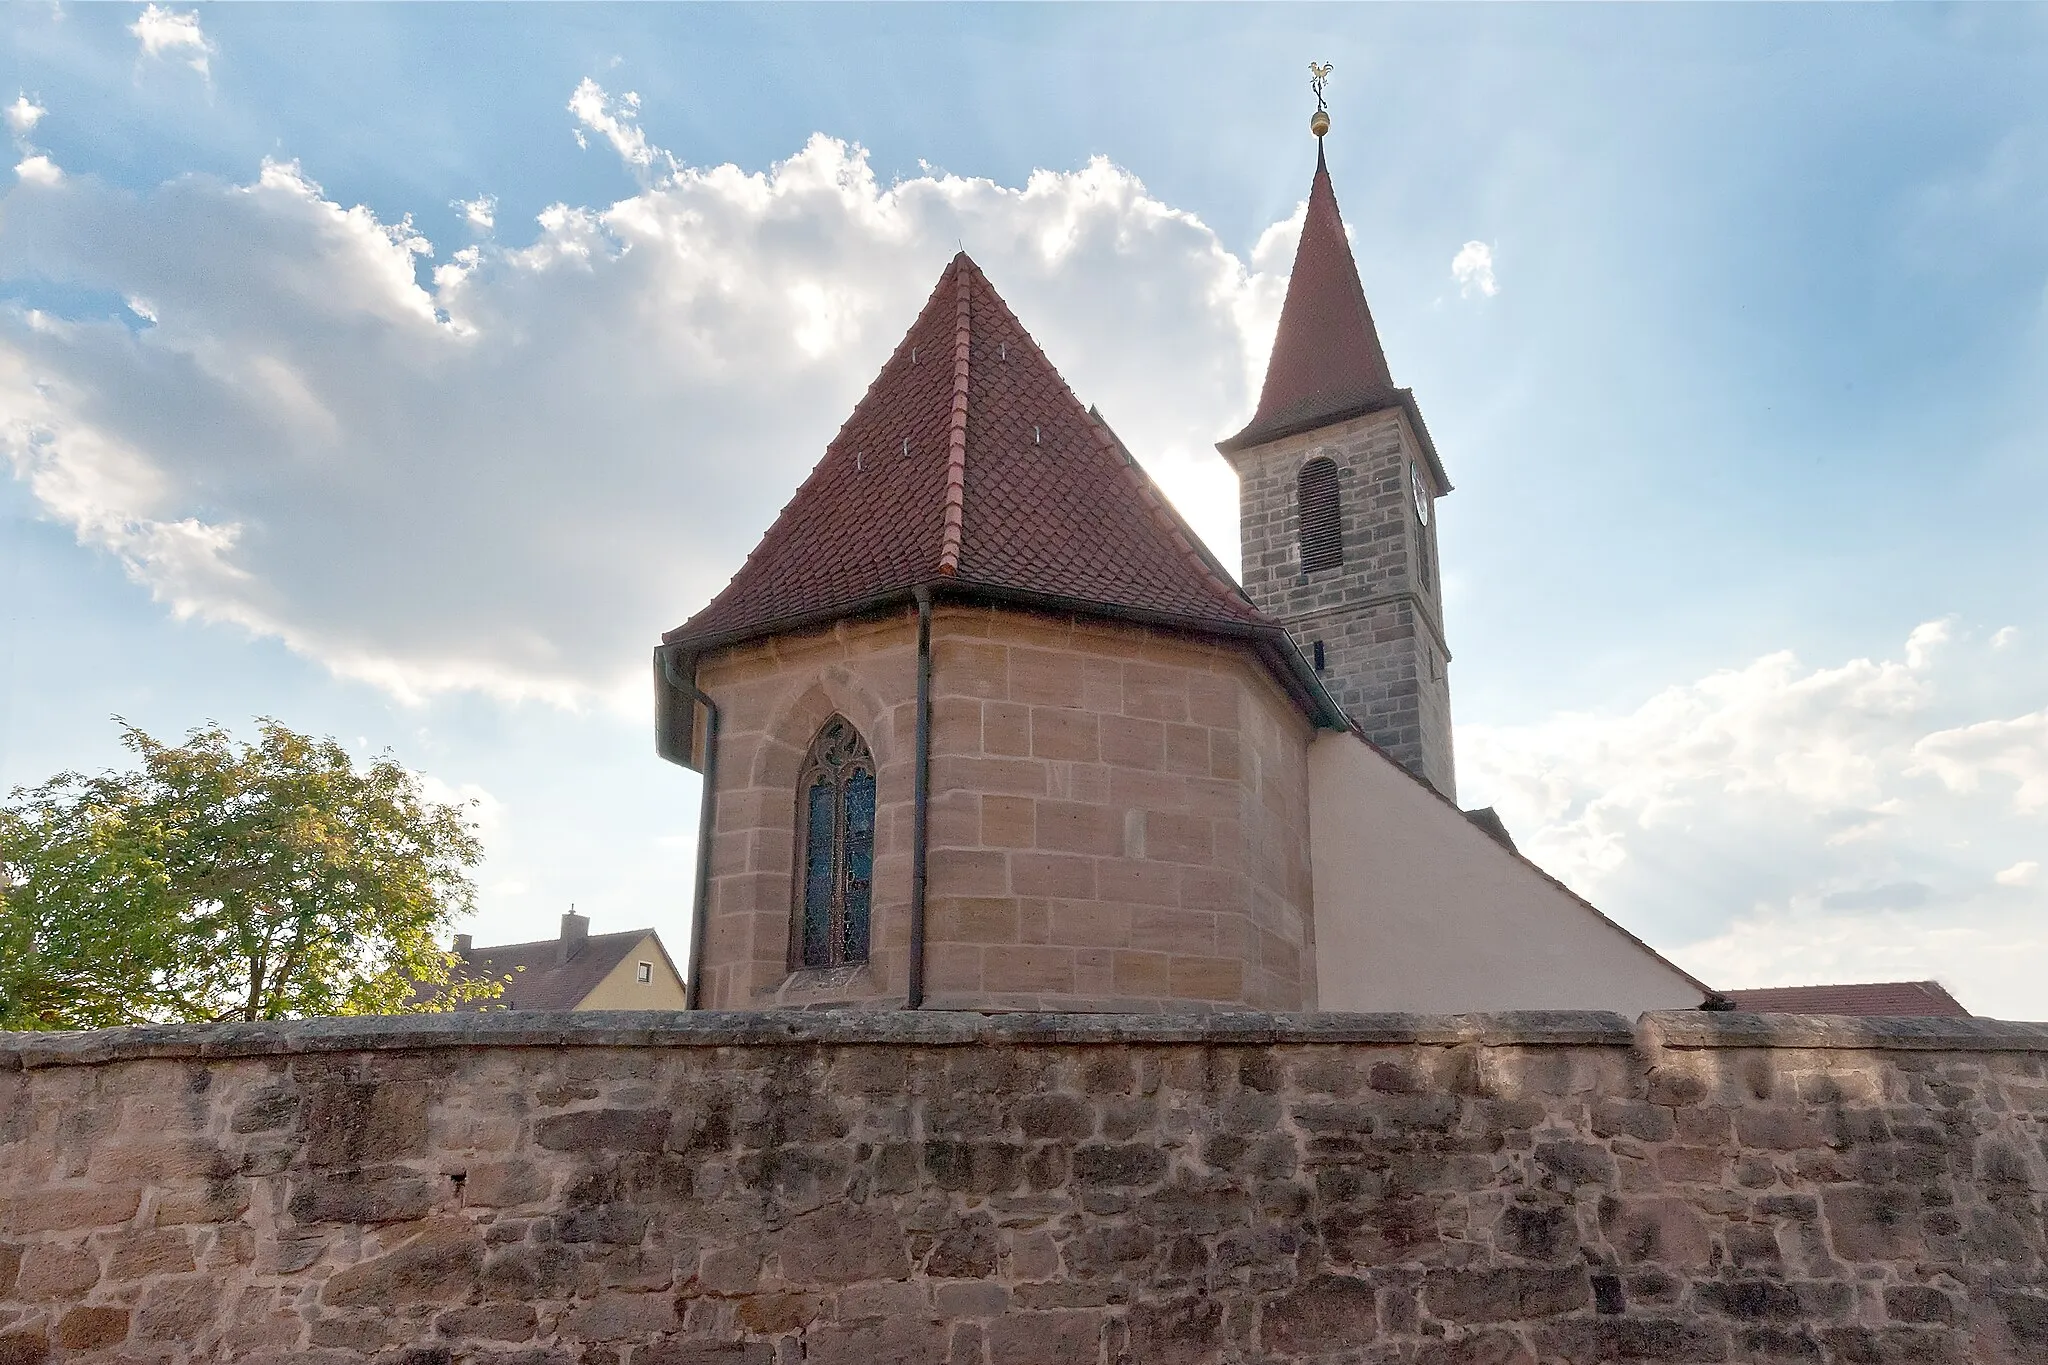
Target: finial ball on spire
(1319, 122)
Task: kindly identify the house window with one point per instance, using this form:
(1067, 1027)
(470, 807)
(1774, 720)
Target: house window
(646, 973)
(835, 848)
(1322, 518)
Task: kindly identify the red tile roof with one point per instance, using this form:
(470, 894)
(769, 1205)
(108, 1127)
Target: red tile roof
(537, 978)
(1327, 364)
(1903, 999)
(969, 464)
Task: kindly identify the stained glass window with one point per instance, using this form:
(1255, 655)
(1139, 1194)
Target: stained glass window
(836, 819)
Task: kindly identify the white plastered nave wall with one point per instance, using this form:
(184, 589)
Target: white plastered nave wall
(1417, 909)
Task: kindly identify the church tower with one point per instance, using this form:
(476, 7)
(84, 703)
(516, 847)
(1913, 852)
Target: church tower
(1338, 483)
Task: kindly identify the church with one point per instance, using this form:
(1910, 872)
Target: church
(983, 725)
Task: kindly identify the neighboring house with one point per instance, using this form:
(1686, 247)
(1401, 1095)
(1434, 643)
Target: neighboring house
(578, 971)
(1924, 999)
(983, 724)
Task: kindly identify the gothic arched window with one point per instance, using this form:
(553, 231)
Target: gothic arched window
(1322, 516)
(835, 817)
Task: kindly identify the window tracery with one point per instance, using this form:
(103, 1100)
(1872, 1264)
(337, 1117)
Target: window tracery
(835, 848)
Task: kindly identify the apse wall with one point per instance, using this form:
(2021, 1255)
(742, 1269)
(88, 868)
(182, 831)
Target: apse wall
(662, 1189)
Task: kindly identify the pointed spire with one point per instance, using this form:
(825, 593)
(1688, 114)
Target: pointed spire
(1327, 363)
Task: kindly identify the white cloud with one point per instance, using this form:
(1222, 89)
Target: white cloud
(38, 170)
(23, 115)
(1472, 267)
(483, 810)
(513, 475)
(2014, 749)
(1782, 824)
(2027, 872)
(1927, 638)
(617, 121)
(480, 213)
(166, 33)
(2005, 637)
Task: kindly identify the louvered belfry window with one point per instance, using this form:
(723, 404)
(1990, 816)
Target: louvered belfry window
(1322, 517)
(835, 848)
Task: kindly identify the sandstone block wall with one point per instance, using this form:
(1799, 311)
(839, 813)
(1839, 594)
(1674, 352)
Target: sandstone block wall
(1119, 816)
(1026, 1190)
(1119, 820)
(1379, 615)
(773, 696)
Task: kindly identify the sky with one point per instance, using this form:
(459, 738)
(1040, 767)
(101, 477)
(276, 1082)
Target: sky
(401, 372)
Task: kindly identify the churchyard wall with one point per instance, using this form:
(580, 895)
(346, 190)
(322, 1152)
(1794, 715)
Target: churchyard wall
(760, 1188)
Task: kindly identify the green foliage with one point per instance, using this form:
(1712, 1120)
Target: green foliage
(219, 881)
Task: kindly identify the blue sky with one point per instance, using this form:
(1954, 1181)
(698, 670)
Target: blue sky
(403, 371)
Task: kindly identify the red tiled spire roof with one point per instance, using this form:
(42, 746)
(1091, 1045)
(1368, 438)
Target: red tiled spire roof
(1327, 364)
(969, 465)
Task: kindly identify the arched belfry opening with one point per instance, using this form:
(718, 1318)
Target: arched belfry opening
(835, 841)
(1321, 516)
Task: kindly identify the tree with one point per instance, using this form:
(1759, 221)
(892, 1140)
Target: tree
(230, 881)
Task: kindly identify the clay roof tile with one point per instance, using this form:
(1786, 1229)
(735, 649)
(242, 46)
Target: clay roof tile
(970, 461)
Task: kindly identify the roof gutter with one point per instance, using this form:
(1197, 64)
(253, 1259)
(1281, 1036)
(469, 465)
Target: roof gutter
(1269, 638)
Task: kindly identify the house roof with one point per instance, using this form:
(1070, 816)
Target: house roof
(969, 459)
(1327, 364)
(1903, 999)
(969, 467)
(536, 978)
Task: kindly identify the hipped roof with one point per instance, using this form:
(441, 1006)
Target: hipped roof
(1327, 365)
(970, 468)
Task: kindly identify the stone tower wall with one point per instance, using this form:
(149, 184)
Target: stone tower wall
(660, 1189)
(1378, 615)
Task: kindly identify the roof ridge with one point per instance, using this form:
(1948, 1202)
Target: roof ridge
(551, 942)
(956, 428)
(1184, 537)
(818, 471)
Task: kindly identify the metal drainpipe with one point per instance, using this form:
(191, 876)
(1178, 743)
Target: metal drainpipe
(920, 798)
(707, 816)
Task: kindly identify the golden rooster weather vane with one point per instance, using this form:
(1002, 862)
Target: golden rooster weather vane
(1319, 122)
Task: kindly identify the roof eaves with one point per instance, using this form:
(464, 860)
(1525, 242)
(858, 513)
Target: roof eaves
(1257, 434)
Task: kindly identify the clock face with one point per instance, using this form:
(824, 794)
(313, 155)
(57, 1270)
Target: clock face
(1421, 494)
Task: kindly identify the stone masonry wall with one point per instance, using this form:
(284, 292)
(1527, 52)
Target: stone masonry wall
(774, 695)
(882, 1189)
(1119, 820)
(1119, 816)
(1379, 615)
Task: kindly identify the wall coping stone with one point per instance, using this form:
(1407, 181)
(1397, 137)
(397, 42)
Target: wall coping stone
(1678, 1029)
(1697, 1029)
(785, 1028)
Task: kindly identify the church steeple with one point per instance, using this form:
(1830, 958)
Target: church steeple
(1327, 361)
(1338, 482)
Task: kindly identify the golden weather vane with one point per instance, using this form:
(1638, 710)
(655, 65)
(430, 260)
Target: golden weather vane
(1318, 76)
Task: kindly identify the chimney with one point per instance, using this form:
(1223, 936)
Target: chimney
(462, 944)
(575, 928)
